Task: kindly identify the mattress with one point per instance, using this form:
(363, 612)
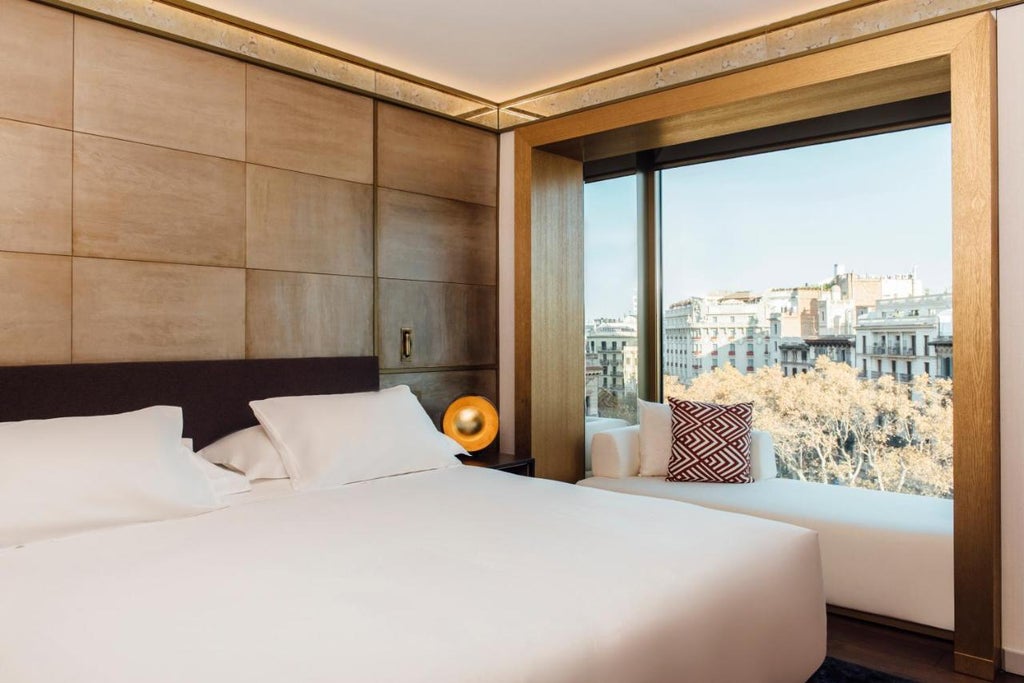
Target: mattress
(458, 574)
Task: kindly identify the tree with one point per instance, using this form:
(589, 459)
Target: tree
(833, 427)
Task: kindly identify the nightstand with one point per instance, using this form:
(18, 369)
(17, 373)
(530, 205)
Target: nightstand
(507, 462)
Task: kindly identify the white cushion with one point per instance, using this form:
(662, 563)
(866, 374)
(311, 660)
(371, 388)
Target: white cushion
(616, 453)
(655, 438)
(331, 440)
(248, 451)
(881, 552)
(74, 474)
(224, 482)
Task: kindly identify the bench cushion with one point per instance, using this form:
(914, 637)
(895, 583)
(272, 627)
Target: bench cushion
(884, 553)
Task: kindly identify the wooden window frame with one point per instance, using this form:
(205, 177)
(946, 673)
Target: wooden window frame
(956, 56)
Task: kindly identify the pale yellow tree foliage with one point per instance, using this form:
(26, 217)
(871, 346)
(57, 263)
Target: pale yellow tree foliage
(830, 426)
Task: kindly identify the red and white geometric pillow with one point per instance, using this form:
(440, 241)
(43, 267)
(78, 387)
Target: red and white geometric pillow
(710, 442)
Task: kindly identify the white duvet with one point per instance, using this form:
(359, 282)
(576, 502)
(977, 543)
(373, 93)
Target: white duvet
(460, 574)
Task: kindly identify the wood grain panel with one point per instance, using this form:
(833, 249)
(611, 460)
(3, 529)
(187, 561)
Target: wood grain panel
(135, 201)
(892, 51)
(301, 314)
(556, 227)
(36, 53)
(304, 126)
(35, 300)
(917, 79)
(421, 153)
(966, 46)
(308, 223)
(436, 390)
(35, 188)
(132, 311)
(452, 324)
(132, 86)
(976, 505)
(426, 238)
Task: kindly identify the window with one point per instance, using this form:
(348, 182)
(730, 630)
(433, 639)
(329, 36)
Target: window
(610, 285)
(798, 262)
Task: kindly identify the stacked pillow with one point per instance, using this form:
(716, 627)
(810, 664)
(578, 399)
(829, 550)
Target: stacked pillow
(331, 440)
(695, 441)
(67, 475)
(335, 439)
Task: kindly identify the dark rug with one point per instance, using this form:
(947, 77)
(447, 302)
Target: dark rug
(838, 671)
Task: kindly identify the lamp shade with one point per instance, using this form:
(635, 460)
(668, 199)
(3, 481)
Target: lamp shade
(472, 421)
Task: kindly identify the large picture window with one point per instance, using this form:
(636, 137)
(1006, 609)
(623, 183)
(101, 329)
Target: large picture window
(822, 275)
(813, 279)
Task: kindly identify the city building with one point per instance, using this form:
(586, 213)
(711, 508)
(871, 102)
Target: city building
(907, 336)
(703, 333)
(786, 326)
(611, 346)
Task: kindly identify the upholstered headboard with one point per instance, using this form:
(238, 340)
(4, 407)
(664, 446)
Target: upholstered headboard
(214, 395)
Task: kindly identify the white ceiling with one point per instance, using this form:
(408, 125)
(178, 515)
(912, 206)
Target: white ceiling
(500, 51)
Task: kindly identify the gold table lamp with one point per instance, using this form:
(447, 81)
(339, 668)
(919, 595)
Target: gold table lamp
(472, 421)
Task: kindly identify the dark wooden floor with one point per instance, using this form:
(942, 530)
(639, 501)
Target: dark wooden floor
(896, 652)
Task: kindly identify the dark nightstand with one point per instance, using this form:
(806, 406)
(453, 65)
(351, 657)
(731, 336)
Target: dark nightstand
(516, 464)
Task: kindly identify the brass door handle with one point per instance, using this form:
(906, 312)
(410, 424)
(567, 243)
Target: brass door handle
(406, 344)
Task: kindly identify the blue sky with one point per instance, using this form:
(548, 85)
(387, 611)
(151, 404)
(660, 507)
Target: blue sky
(878, 205)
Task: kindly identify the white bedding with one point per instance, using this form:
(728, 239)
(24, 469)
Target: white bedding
(458, 574)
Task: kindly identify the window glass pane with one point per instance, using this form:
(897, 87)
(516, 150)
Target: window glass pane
(610, 291)
(834, 262)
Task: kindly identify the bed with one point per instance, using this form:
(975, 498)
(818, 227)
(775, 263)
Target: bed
(452, 574)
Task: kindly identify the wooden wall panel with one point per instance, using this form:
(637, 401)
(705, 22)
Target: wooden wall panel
(436, 390)
(35, 301)
(303, 314)
(306, 223)
(137, 87)
(36, 48)
(452, 324)
(421, 153)
(199, 207)
(141, 202)
(556, 329)
(35, 188)
(427, 238)
(308, 127)
(128, 310)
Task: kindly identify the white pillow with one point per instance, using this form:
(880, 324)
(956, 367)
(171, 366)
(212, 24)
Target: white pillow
(224, 482)
(248, 451)
(336, 439)
(655, 438)
(74, 474)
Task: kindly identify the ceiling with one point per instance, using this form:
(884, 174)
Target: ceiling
(500, 52)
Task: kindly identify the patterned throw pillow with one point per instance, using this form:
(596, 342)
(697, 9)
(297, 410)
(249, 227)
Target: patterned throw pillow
(710, 442)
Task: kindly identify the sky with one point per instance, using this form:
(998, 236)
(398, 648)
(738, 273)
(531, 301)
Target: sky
(878, 205)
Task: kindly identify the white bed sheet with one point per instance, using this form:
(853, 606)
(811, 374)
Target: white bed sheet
(460, 574)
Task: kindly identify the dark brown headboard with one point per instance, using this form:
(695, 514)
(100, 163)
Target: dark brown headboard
(214, 395)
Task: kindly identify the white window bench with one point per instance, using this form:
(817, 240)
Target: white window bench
(889, 554)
